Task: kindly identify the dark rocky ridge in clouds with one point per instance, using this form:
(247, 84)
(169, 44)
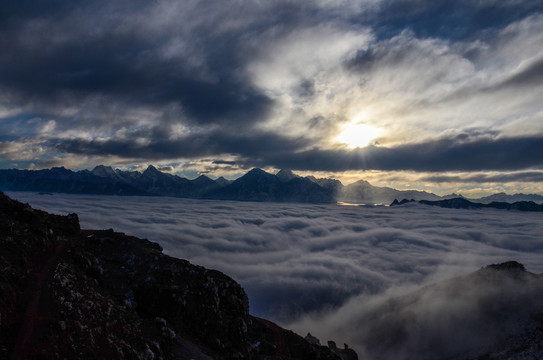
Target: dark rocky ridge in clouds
(256, 185)
(67, 293)
(461, 203)
(494, 313)
(298, 258)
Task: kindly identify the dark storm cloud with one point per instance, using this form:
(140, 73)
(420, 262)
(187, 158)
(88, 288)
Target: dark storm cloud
(457, 20)
(127, 53)
(462, 152)
(223, 162)
(106, 67)
(522, 176)
(256, 145)
(52, 50)
(117, 77)
(31, 9)
(98, 49)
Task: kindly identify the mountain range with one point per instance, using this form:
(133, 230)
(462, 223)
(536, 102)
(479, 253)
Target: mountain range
(255, 185)
(461, 203)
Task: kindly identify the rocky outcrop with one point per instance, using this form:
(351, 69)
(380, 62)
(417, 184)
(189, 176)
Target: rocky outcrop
(345, 353)
(68, 293)
(493, 313)
(404, 201)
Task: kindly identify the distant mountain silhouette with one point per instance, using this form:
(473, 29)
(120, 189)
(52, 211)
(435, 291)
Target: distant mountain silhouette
(331, 184)
(286, 175)
(156, 182)
(363, 192)
(223, 182)
(64, 181)
(462, 203)
(256, 185)
(503, 197)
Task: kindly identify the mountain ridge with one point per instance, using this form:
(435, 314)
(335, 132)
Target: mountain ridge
(255, 185)
(82, 294)
(463, 203)
(492, 313)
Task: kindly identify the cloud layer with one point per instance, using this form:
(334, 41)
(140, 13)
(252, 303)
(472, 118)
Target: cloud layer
(453, 87)
(297, 259)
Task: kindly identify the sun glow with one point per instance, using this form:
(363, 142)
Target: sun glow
(358, 135)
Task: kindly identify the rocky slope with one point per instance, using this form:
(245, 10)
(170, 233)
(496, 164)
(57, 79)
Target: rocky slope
(68, 293)
(495, 313)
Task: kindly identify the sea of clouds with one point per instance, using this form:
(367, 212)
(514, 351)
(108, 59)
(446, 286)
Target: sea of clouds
(318, 268)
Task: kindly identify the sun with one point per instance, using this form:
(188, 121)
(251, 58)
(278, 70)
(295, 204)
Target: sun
(358, 135)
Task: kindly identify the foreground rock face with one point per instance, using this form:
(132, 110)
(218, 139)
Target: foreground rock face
(67, 293)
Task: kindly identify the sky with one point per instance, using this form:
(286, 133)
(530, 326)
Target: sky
(432, 95)
(331, 270)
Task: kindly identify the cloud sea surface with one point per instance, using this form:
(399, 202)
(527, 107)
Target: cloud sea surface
(323, 260)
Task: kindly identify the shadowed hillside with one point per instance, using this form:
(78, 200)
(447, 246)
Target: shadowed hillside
(68, 293)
